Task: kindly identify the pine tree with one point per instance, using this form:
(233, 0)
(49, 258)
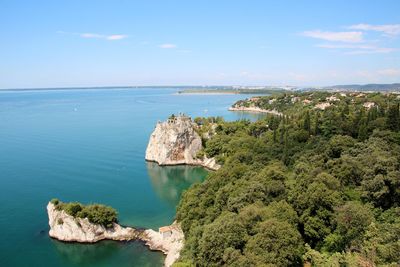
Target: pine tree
(393, 118)
(363, 130)
(317, 129)
(307, 122)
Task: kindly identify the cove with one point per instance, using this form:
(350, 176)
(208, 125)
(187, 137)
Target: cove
(88, 146)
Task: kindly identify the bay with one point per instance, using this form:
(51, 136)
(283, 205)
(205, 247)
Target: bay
(88, 145)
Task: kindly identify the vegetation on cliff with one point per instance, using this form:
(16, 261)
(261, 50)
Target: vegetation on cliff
(315, 185)
(95, 213)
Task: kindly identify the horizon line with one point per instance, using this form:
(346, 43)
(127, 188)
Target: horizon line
(183, 86)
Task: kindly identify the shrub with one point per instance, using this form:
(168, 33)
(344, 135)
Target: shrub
(95, 213)
(99, 214)
(72, 208)
(55, 201)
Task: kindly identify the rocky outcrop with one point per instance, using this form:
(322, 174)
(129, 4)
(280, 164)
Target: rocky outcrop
(176, 142)
(65, 227)
(171, 245)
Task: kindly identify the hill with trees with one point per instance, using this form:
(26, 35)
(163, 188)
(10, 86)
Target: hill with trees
(318, 185)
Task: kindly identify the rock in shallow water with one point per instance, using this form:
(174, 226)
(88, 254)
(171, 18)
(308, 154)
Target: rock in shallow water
(65, 227)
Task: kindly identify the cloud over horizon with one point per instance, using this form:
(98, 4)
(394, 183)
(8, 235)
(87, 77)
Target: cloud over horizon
(387, 29)
(358, 49)
(167, 46)
(355, 42)
(347, 37)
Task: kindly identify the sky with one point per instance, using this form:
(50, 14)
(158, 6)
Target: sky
(76, 43)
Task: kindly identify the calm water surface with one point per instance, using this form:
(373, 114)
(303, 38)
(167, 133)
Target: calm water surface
(88, 146)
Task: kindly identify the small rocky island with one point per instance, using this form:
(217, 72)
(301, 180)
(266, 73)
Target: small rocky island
(75, 222)
(176, 142)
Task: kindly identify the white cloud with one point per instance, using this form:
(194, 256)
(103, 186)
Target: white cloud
(91, 35)
(112, 37)
(88, 35)
(167, 46)
(344, 46)
(390, 72)
(116, 37)
(388, 29)
(347, 37)
(356, 49)
(377, 50)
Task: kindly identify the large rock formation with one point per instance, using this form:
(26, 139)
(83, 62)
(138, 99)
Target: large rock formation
(176, 142)
(67, 228)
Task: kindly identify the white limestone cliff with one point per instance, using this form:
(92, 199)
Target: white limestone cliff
(176, 142)
(65, 227)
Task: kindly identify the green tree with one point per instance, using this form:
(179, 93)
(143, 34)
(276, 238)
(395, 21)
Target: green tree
(277, 243)
(224, 233)
(393, 117)
(307, 122)
(352, 220)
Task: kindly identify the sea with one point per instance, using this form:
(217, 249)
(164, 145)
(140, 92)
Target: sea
(88, 145)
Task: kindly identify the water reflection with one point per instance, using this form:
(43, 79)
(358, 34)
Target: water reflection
(78, 254)
(170, 181)
(108, 253)
(252, 116)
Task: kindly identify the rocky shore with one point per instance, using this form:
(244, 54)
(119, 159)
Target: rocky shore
(170, 245)
(254, 109)
(176, 142)
(67, 228)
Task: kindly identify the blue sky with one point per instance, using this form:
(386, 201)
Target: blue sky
(217, 42)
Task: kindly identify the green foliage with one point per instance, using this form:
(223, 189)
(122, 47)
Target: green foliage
(182, 264)
(72, 208)
(95, 213)
(352, 220)
(393, 118)
(55, 201)
(226, 232)
(99, 214)
(337, 259)
(328, 179)
(276, 242)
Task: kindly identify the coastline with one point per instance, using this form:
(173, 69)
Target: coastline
(67, 228)
(211, 167)
(171, 246)
(208, 93)
(255, 110)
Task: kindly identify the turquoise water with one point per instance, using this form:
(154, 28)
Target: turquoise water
(88, 146)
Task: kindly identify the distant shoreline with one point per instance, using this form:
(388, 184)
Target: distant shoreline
(229, 91)
(208, 93)
(88, 88)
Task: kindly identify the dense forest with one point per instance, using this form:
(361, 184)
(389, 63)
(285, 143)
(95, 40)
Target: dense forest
(316, 186)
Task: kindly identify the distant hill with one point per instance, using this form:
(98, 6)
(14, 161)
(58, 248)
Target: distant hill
(366, 87)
